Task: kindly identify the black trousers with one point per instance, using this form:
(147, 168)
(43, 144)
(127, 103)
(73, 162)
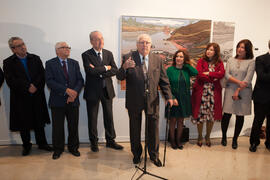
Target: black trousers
(39, 136)
(135, 121)
(92, 112)
(261, 112)
(58, 132)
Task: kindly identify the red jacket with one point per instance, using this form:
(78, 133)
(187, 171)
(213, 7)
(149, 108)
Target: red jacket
(214, 77)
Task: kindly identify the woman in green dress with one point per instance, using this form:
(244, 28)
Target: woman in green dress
(179, 75)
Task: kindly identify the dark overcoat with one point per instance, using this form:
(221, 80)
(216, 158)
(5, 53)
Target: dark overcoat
(27, 111)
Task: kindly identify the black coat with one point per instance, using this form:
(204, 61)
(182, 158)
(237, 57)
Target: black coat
(1, 79)
(27, 111)
(262, 87)
(95, 76)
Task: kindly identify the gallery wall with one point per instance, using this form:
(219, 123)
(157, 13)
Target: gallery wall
(42, 23)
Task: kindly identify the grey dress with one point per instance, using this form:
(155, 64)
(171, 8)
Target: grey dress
(243, 71)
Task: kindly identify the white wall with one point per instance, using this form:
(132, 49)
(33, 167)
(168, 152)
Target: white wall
(42, 23)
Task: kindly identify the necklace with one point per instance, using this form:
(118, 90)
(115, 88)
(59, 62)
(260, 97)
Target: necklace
(238, 63)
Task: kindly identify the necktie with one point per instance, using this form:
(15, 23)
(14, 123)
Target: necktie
(99, 57)
(65, 69)
(144, 68)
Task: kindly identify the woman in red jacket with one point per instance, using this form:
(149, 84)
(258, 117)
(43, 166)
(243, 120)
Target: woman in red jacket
(207, 92)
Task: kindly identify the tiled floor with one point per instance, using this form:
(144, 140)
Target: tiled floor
(192, 163)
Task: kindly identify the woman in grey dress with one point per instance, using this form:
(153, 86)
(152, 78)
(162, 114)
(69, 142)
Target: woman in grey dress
(238, 90)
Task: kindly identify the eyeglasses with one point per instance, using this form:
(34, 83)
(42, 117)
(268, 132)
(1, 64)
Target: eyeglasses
(18, 46)
(144, 42)
(65, 47)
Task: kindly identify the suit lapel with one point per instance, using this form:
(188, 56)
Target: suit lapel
(60, 67)
(95, 58)
(70, 68)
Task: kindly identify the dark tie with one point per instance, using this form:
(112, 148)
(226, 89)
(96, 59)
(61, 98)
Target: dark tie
(100, 60)
(144, 68)
(99, 57)
(65, 70)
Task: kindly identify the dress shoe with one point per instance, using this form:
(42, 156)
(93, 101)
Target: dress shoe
(224, 142)
(45, 147)
(136, 159)
(94, 148)
(156, 161)
(26, 150)
(199, 143)
(173, 145)
(114, 145)
(75, 153)
(181, 147)
(208, 143)
(234, 144)
(56, 155)
(253, 148)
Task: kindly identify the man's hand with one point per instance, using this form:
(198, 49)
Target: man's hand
(108, 67)
(32, 89)
(71, 93)
(91, 65)
(170, 101)
(129, 63)
(70, 99)
(206, 73)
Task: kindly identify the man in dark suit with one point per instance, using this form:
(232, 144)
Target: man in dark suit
(144, 70)
(64, 78)
(261, 99)
(24, 75)
(99, 67)
(1, 80)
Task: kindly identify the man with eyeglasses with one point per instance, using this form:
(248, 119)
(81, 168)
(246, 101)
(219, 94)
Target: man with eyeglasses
(64, 79)
(144, 72)
(25, 76)
(99, 68)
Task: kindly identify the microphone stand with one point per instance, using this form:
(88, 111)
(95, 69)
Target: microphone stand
(144, 171)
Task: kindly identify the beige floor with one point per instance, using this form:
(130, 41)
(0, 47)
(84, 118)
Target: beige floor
(193, 163)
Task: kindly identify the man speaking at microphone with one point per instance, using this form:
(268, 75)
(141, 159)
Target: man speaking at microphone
(144, 70)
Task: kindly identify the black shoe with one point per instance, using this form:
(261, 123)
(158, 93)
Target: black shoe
(94, 148)
(75, 153)
(136, 159)
(224, 142)
(45, 147)
(173, 145)
(253, 148)
(26, 150)
(56, 155)
(114, 145)
(181, 147)
(234, 144)
(156, 161)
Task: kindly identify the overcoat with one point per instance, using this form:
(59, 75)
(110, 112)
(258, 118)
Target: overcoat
(27, 111)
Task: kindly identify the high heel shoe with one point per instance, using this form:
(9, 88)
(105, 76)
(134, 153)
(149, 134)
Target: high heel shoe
(224, 142)
(208, 143)
(199, 143)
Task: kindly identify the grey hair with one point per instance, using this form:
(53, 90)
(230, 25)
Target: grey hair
(10, 41)
(58, 44)
(91, 34)
(144, 36)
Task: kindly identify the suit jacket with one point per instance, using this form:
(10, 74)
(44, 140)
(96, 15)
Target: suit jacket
(95, 76)
(57, 83)
(1, 79)
(135, 83)
(262, 87)
(27, 111)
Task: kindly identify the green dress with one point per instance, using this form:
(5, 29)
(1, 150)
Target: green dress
(180, 87)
